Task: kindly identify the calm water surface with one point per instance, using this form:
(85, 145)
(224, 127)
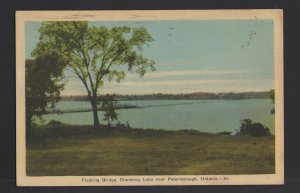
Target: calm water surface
(207, 116)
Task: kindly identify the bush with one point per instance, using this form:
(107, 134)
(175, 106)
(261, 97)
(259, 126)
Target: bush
(253, 129)
(273, 111)
(224, 133)
(55, 123)
(109, 107)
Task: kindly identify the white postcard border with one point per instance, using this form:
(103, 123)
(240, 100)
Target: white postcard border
(160, 180)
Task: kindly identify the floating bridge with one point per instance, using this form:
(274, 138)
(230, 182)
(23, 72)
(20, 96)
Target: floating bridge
(80, 110)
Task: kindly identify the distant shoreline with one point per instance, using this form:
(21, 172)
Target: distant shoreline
(189, 96)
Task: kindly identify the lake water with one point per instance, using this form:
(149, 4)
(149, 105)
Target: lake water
(207, 116)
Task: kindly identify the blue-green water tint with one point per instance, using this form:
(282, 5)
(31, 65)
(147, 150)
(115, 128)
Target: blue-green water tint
(207, 116)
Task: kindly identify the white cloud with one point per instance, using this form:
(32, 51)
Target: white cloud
(188, 86)
(164, 74)
(155, 85)
(183, 82)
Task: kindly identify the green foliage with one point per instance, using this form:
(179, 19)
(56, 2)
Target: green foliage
(272, 96)
(224, 133)
(94, 53)
(253, 129)
(108, 105)
(55, 123)
(43, 77)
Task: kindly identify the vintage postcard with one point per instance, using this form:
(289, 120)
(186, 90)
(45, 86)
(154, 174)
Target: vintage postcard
(149, 98)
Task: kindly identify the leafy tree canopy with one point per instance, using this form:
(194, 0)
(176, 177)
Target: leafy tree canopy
(43, 76)
(94, 53)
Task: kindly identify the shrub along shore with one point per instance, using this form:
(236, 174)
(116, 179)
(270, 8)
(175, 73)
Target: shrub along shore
(83, 150)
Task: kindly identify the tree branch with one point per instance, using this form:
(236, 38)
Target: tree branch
(87, 64)
(107, 69)
(84, 83)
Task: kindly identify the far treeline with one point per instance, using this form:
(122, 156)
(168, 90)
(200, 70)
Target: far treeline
(190, 96)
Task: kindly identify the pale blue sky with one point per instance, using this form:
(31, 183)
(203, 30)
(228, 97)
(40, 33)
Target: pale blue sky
(193, 56)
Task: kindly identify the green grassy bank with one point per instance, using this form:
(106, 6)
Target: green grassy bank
(82, 150)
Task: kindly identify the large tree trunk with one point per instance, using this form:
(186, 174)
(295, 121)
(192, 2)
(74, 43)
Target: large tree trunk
(95, 113)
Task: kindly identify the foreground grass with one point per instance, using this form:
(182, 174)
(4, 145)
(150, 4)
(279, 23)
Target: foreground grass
(82, 150)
